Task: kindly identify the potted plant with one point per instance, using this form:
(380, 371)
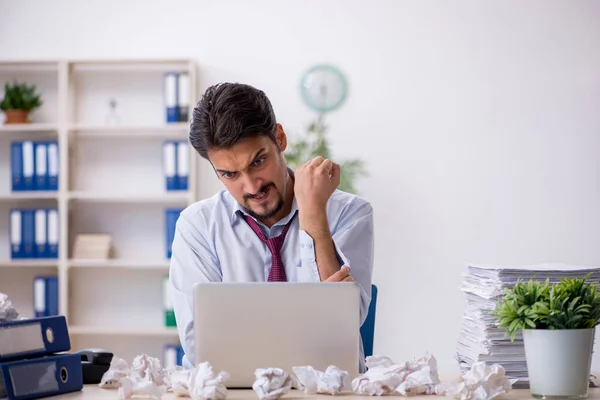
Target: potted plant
(19, 100)
(315, 144)
(558, 326)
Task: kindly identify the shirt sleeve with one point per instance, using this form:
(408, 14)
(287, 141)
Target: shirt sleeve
(353, 240)
(192, 261)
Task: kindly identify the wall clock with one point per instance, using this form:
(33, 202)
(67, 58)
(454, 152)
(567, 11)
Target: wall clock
(323, 88)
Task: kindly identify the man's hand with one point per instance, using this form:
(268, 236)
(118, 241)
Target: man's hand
(343, 275)
(315, 182)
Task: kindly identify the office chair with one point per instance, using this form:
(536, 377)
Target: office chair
(367, 330)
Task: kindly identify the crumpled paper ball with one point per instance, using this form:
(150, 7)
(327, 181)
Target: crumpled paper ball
(384, 377)
(145, 388)
(117, 370)
(271, 383)
(420, 376)
(176, 380)
(149, 368)
(331, 381)
(481, 382)
(7, 311)
(146, 377)
(203, 384)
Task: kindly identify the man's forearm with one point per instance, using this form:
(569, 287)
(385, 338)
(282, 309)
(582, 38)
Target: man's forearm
(314, 222)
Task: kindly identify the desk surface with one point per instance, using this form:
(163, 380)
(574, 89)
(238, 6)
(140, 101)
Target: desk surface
(94, 392)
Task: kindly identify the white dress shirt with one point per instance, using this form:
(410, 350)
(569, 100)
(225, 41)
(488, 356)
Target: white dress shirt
(213, 243)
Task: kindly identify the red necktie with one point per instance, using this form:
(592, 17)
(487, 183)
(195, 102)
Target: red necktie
(277, 271)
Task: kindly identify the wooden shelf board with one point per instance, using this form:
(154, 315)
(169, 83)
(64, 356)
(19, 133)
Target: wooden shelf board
(116, 131)
(29, 263)
(118, 263)
(29, 65)
(29, 195)
(158, 198)
(32, 127)
(124, 65)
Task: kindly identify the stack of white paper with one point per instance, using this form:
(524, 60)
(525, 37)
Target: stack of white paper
(92, 246)
(480, 338)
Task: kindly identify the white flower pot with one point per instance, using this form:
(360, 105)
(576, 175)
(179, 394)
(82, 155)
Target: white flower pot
(559, 361)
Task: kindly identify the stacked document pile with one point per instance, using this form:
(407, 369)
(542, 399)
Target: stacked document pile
(92, 246)
(480, 338)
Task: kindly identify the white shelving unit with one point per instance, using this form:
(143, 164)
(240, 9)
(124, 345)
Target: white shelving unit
(110, 181)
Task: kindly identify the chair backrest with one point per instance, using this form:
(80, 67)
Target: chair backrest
(367, 330)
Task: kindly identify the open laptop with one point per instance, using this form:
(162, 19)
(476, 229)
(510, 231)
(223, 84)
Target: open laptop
(239, 327)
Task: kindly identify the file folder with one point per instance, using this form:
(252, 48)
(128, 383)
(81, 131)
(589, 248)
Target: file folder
(170, 93)
(169, 356)
(16, 166)
(28, 233)
(171, 216)
(172, 356)
(41, 166)
(16, 234)
(45, 296)
(41, 377)
(53, 232)
(170, 164)
(34, 337)
(53, 165)
(168, 303)
(28, 165)
(183, 95)
(183, 165)
(41, 233)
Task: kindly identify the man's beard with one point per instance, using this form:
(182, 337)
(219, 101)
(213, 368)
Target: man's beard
(269, 213)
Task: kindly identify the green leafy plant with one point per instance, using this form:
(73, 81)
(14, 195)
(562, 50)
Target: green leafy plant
(315, 144)
(570, 304)
(20, 96)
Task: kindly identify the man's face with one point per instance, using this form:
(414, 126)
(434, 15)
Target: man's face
(255, 173)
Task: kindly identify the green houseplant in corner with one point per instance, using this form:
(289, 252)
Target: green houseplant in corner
(315, 144)
(558, 325)
(18, 102)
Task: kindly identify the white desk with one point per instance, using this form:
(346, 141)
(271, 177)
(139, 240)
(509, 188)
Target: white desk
(94, 392)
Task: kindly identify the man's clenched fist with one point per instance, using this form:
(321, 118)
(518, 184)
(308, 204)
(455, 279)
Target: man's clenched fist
(315, 181)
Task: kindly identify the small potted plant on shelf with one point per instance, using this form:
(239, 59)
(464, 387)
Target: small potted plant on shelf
(558, 326)
(19, 100)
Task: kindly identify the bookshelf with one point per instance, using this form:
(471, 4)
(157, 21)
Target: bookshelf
(111, 180)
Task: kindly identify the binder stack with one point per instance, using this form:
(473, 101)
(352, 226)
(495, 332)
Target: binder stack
(34, 165)
(176, 165)
(34, 233)
(480, 338)
(177, 96)
(33, 359)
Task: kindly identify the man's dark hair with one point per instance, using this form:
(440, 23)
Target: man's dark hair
(228, 113)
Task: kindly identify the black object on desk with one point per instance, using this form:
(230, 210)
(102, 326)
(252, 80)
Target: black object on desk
(94, 363)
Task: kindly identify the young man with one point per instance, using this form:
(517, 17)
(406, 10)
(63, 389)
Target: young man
(271, 223)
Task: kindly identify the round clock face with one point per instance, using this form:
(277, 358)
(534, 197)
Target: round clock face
(323, 88)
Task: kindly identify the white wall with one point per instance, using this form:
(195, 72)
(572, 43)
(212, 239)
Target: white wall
(479, 121)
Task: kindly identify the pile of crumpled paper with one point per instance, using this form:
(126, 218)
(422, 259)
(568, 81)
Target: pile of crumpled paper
(420, 377)
(146, 378)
